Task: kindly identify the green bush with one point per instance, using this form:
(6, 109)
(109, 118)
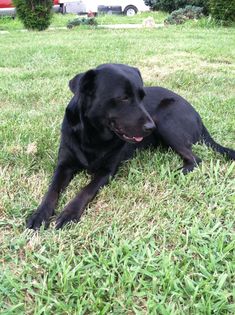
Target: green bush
(196, 3)
(82, 21)
(188, 13)
(171, 5)
(35, 14)
(223, 10)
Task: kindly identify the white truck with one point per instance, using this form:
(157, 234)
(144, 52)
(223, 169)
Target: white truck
(127, 7)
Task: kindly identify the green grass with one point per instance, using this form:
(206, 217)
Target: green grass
(59, 20)
(10, 24)
(153, 241)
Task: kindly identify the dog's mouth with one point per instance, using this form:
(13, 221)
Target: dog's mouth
(132, 139)
(123, 136)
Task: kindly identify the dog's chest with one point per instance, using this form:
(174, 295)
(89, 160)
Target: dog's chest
(94, 159)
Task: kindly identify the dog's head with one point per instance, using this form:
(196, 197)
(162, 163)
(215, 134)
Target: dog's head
(111, 98)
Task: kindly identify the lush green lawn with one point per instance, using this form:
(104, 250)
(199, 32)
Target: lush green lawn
(153, 241)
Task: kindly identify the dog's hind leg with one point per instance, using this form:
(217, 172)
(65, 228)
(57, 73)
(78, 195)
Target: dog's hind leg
(182, 145)
(180, 135)
(189, 158)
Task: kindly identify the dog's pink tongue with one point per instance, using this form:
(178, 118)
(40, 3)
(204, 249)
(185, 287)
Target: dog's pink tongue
(138, 139)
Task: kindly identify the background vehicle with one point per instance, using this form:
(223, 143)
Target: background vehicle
(127, 7)
(7, 7)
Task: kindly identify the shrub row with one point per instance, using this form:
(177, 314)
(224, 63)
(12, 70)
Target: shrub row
(82, 21)
(172, 5)
(220, 10)
(223, 10)
(188, 13)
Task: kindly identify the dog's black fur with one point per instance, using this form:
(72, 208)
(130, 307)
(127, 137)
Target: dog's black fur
(111, 115)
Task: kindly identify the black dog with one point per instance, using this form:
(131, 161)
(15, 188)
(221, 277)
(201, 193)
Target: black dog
(110, 115)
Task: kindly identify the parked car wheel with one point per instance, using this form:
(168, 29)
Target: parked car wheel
(62, 9)
(130, 10)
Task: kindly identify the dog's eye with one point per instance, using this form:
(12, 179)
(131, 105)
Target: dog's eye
(121, 99)
(124, 98)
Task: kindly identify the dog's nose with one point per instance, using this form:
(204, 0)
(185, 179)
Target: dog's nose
(149, 127)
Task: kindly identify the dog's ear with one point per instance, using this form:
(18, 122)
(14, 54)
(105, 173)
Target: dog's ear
(87, 83)
(138, 72)
(83, 82)
(74, 83)
(72, 111)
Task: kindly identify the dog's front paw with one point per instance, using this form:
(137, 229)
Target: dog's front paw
(37, 218)
(68, 215)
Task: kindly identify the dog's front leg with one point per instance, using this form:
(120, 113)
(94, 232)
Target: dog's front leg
(62, 177)
(74, 210)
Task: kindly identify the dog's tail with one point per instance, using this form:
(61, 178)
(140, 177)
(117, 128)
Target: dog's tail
(206, 137)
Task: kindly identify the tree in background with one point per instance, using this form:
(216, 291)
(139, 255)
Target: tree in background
(220, 10)
(171, 5)
(223, 10)
(35, 14)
